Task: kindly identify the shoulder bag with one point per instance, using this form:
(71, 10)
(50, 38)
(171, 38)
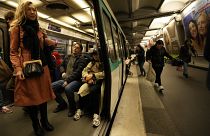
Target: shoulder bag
(32, 68)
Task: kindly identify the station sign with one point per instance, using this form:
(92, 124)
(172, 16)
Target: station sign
(54, 27)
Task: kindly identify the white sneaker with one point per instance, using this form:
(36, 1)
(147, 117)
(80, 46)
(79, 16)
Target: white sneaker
(160, 88)
(156, 85)
(96, 120)
(78, 114)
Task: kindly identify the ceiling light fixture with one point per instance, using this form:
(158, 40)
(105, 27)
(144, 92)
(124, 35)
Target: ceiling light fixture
(68, 20)
(12, 3)
(81, 3)
(43, 15)
(81, 17)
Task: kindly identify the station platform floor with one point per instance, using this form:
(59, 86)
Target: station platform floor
(182, 109)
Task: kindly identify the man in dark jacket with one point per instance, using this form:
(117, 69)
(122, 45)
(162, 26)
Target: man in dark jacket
(185, 54)
(156, 55)
(71, 83)
(140, 54)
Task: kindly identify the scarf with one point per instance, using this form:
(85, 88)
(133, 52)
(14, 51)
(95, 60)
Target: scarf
(30, 38)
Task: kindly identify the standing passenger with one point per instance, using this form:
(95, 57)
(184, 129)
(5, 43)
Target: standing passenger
(140, 53)
(27, 44)
(156, 55)
(9, 17)
(5, 75)
(185, 54)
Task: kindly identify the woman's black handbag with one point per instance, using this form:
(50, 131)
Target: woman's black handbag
(32, 68)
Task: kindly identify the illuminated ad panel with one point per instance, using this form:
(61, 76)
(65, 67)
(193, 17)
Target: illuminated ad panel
(195, 21)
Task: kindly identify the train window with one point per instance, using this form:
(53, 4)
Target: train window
(1, 42)
(116, 40)
(109, 40)
(61, 46)
(122, 44)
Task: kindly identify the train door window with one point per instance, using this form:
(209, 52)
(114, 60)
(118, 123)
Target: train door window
(1, 42)
(109, 40)
(61, 47)
(122, 44)
(116, 39)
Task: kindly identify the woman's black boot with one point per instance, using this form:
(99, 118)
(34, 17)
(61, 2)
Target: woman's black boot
(33, 113)
(38, 130)
(44, 119)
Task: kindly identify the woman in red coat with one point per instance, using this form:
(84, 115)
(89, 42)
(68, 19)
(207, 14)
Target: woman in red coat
(27, 42)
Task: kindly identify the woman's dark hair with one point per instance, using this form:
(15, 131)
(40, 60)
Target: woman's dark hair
(159, 42)
(140, 47)
(9, 15)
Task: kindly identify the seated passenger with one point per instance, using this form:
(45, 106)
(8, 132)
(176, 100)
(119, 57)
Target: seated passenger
(93, 76)
(58, 61)
(72, 82)
(5, 75)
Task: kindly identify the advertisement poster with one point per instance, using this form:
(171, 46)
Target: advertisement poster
(195, 21)
(170, 38)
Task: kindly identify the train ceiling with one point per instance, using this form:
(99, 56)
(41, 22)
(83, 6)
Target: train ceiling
(141, 19)
(73, 14)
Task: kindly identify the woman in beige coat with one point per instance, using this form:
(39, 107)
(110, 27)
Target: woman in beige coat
(27, 42)
(93, 75)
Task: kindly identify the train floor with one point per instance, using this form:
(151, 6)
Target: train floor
(181, 110)
(18, 124)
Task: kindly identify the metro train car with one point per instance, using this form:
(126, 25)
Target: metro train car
(110, 42)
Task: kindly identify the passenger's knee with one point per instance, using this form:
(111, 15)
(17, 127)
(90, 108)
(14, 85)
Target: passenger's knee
(69, 91)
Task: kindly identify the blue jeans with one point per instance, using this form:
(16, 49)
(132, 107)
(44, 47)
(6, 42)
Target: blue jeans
(141, 67)
(58, 89)
(185, 66)
(69, 90)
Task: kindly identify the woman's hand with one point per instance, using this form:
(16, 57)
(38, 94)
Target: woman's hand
(20, 75)
(89, 77)
(65, 84)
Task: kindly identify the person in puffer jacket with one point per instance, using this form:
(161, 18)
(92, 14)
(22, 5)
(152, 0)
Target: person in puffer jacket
(156, 55)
